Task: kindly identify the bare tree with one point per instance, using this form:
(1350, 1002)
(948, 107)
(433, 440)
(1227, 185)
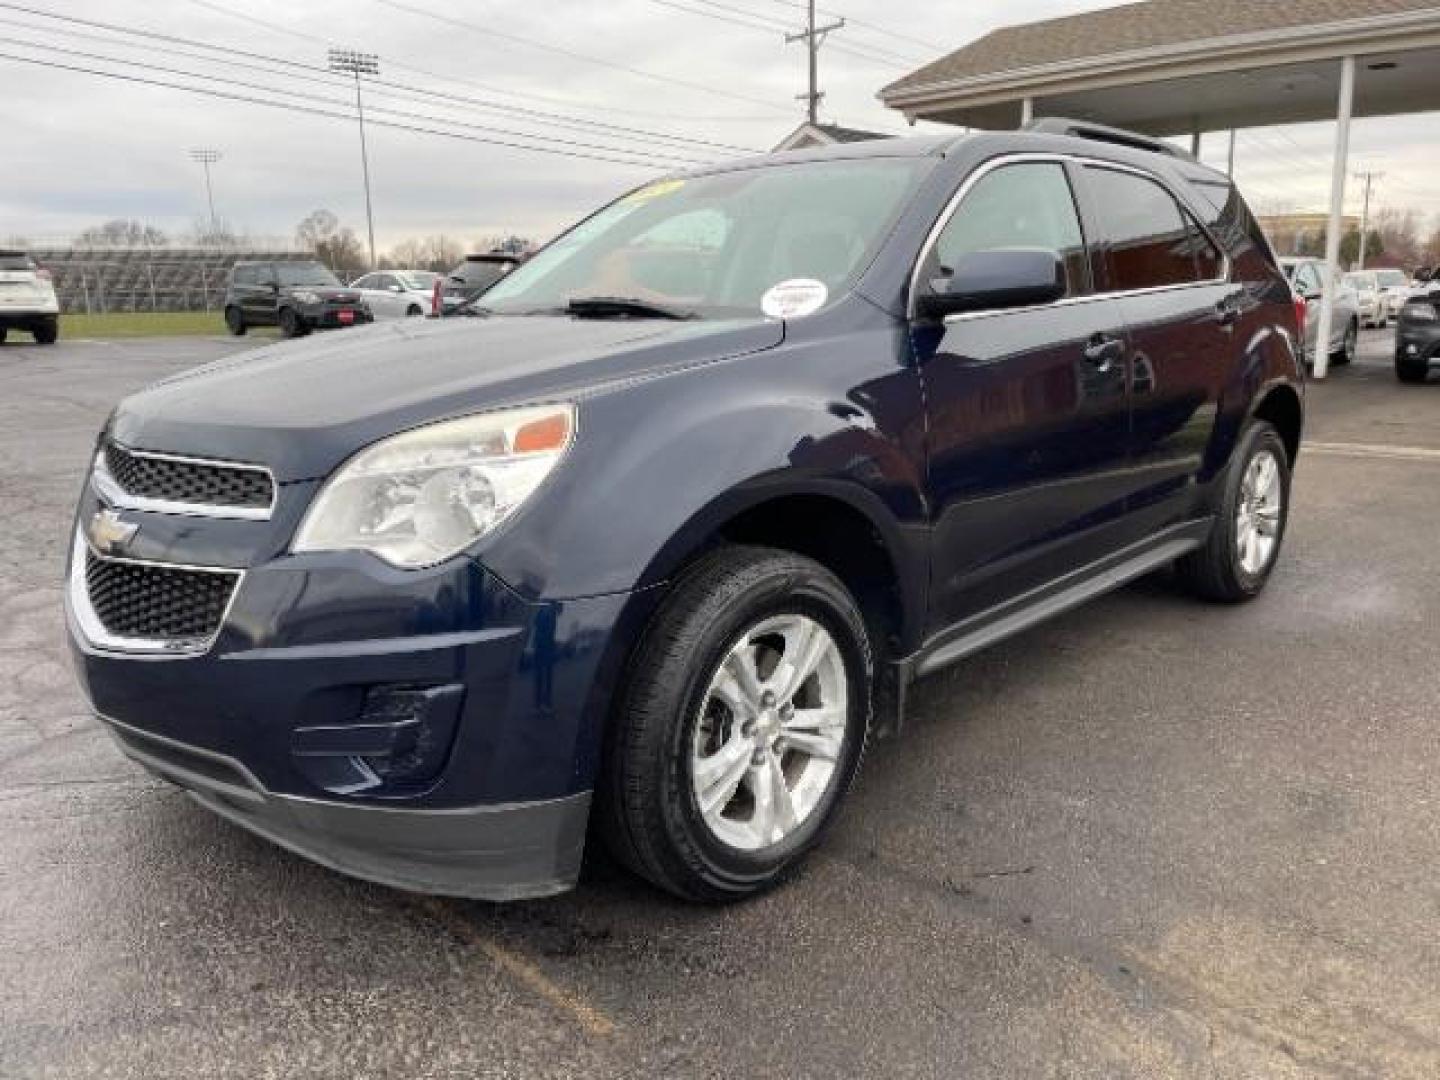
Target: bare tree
(122, 232)
(334, 244)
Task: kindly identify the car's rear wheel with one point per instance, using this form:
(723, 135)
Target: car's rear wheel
(414, 311)
(1346, 352)
(291, 325)
(740, 726)
(46, 331)
(235, 321)
(1254, 506)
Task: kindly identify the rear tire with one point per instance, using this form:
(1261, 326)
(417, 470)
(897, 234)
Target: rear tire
(46, 331)
(1244, 544)
(414, 312)
(235, 321)
(712, 717)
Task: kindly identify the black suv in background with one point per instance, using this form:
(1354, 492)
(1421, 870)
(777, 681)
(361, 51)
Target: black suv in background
(296, 296)
(470, 279)
(1417, 334)
(666, 530)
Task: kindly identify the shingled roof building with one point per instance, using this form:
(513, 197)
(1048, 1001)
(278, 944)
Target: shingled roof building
(810, 135)
(1178, 67)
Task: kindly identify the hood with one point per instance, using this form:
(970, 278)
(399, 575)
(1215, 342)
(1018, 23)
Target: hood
(335, 294)
(302, 407)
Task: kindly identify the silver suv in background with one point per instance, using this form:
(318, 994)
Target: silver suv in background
(1307, 278)
(27, 299)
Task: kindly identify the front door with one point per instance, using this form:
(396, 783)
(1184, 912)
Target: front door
(1028, 408)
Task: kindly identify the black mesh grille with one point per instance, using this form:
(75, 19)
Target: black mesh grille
(157, 603)
(187, 481)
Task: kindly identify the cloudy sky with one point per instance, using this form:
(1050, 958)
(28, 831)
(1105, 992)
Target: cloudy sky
(651, 84)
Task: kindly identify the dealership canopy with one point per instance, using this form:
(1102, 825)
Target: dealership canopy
(1183, 67)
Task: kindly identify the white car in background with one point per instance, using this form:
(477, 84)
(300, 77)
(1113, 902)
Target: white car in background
(396, 294)
(1374, 304)
(27, 298)
(1396, 288)
(1307, 278)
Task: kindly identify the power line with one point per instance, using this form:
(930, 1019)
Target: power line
(874, 28)
(286, 106)
(319, 75)
(661, 158)
(571, 54)
(868, 52)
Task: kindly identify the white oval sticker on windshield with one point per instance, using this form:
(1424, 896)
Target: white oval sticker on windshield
(794, 299)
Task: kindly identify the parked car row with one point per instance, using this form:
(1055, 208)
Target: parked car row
(305, 295)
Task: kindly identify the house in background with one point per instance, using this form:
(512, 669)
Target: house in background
(808, 136)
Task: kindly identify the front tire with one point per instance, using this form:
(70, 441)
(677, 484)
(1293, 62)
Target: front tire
(1346, 352)
(1244, 544)
(291, 325)
(414, 312)
(740, 726)
(1410, 371)
(235, 321)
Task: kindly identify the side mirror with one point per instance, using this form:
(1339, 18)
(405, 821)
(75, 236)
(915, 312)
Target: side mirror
(1005, 278)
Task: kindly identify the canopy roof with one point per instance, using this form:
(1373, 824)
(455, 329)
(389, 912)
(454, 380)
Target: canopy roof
(1169, 67)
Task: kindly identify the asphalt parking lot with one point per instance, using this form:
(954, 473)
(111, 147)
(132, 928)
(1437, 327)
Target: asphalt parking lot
(1150, 839)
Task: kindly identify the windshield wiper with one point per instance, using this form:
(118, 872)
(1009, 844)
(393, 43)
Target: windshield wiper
(623, 307)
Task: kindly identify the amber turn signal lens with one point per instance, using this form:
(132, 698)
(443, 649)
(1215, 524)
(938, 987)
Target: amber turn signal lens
(547, 433)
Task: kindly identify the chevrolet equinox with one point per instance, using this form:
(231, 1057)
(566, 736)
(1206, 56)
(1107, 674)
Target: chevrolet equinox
(653, 545)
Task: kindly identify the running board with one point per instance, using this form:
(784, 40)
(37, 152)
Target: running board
(1005, 620)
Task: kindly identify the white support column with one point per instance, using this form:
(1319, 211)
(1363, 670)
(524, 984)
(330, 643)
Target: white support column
(1027, 110)
(1337, 211)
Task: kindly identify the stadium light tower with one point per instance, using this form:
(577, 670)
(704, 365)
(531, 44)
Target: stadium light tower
(348, 62)
(207, 158)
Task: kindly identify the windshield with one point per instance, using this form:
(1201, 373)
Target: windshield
(422, 280)
(714, 245)
(1391, 278)
(481, 273)
(304, 274)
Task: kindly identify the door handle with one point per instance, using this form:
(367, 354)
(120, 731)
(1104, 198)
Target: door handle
(1103, 351)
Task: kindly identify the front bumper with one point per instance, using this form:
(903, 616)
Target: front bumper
(273, 723)
(332, 316)
(1417, 342)
(500, 852)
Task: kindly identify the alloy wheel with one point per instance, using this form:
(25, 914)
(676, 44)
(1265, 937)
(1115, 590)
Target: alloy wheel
(1257, 519)
(770, 733)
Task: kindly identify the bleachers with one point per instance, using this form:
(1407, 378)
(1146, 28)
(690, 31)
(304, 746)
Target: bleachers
(102, 279)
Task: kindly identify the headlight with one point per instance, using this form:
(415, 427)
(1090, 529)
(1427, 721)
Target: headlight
(307, 297)
(1420, 312)
(418, 498)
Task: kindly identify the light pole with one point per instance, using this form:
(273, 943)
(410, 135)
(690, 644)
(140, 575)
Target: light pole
(207, 158)
(357, 64)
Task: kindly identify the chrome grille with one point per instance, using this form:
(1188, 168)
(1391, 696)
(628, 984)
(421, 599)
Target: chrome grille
(151, 602)
(167, 479)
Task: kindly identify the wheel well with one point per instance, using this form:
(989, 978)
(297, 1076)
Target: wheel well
(1281, 408)
(838, 537)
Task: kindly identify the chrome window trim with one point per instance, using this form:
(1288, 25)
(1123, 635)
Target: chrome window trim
(109, 489)
(87, 622)
(955, 201)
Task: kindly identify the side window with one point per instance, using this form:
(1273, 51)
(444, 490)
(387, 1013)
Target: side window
(245, 275)
(1027, 205)
(384, 281)
(367, 282)
(1140, 223)
(1209, 263)
(1307, 280)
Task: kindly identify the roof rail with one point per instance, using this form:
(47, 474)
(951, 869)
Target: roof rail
(1087, 129)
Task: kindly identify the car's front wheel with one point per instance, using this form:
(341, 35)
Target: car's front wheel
(1411, 371)
(235, 321)
(740, 727)
(1346, 353)
(291, 325)
(1254, 506)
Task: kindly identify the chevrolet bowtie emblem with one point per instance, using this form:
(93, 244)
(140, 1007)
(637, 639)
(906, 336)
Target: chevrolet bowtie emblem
(110, 533)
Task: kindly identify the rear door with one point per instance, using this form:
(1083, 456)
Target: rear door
(1181, 312)
(1027, 410)
(260, 293)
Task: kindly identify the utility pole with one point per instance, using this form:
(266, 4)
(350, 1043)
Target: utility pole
(1369, 177)
(357, 64)
(814, 37)
(207, 158)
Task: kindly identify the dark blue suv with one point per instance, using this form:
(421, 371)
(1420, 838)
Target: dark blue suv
(651, 547)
